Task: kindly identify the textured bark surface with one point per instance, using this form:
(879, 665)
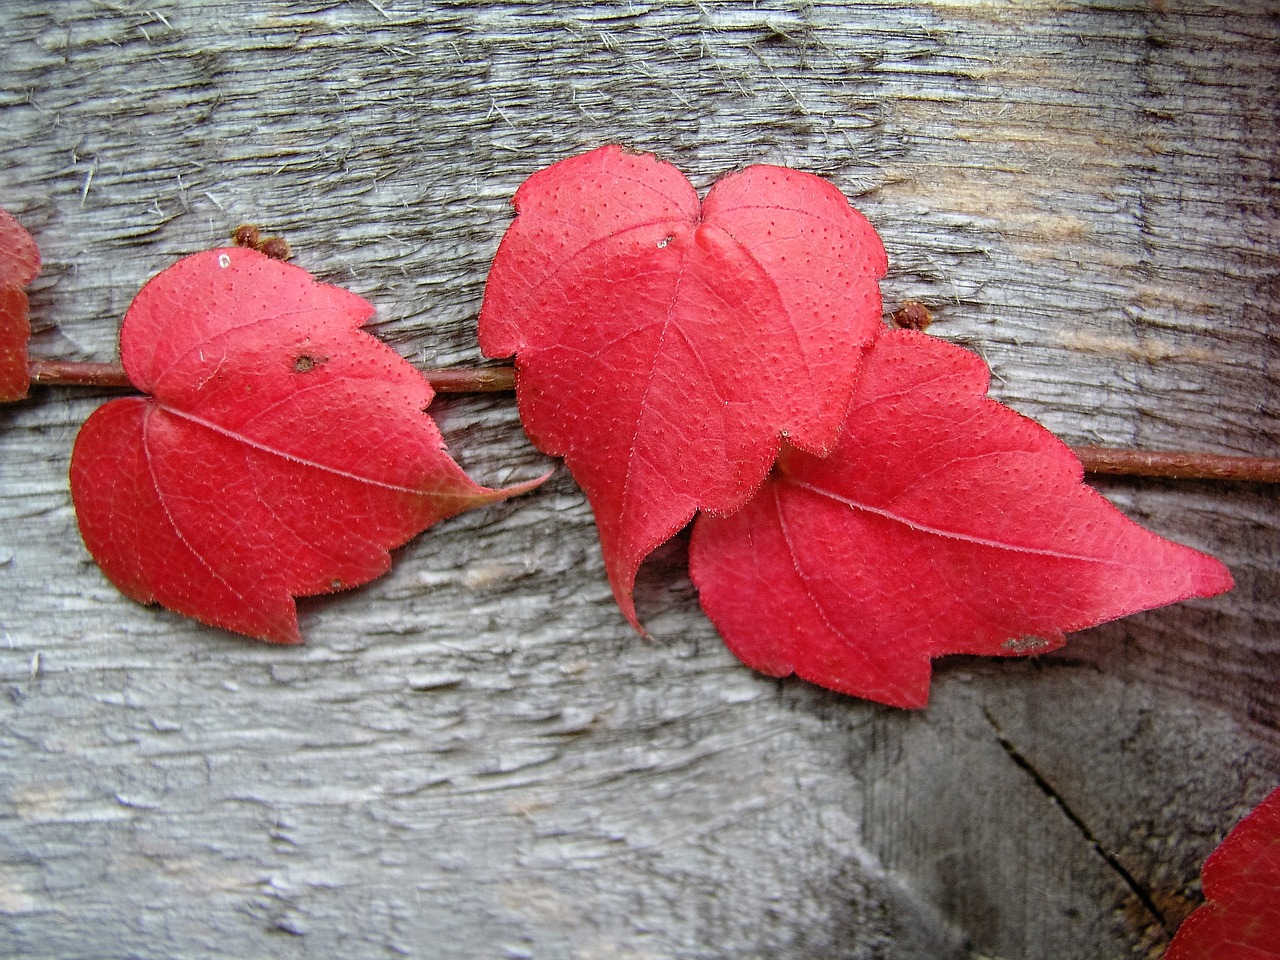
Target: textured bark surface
(475, 756)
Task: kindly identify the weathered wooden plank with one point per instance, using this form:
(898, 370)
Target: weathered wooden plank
(474, 756)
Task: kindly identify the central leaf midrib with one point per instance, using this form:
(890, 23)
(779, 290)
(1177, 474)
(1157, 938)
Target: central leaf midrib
(948, 534)
(283, 454)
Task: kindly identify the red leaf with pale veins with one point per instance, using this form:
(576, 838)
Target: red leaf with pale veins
(1241, 881)
(663, 347)
(19, 264)
(943, 522)
(282, 452)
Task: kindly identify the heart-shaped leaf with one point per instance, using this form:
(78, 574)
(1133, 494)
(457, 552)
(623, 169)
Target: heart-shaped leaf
(19, 264)
(282, 452)
(943, 522)
(663, 347)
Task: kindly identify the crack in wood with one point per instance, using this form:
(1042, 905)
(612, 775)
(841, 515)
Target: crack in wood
(1110, 859)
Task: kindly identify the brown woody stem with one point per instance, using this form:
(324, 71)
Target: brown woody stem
(472, 380)
(68, 373)
(60, 373)
(1178, 464)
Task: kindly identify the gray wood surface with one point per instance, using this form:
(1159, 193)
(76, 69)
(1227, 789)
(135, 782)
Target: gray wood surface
(475, 756)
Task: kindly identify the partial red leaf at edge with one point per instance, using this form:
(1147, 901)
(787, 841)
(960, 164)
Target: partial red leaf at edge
(943, 522)
(281, 451)
(19, 264)
(664, 346)
(1241, 881)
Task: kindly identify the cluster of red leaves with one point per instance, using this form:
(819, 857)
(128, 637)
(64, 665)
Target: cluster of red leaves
(1241, 881)
(19, 264)
(862, 506)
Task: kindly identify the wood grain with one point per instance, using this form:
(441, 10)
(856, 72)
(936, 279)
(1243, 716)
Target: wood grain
(474, 756)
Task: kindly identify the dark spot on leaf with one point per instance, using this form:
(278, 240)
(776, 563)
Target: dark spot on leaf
(304, 364)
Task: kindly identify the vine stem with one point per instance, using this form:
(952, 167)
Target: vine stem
(68, 373)
(1114, 461)
(1177, 464)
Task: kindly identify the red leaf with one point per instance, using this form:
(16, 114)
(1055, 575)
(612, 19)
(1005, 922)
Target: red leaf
(281, 453)
(1241, 881)
(941, 523)
(19, 264)
(663, 348)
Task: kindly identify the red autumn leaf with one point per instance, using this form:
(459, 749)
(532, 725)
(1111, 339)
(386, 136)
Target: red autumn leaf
(663, 347)
(281, 451)
(19, 264)
(943, 522)
(1241, 881)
